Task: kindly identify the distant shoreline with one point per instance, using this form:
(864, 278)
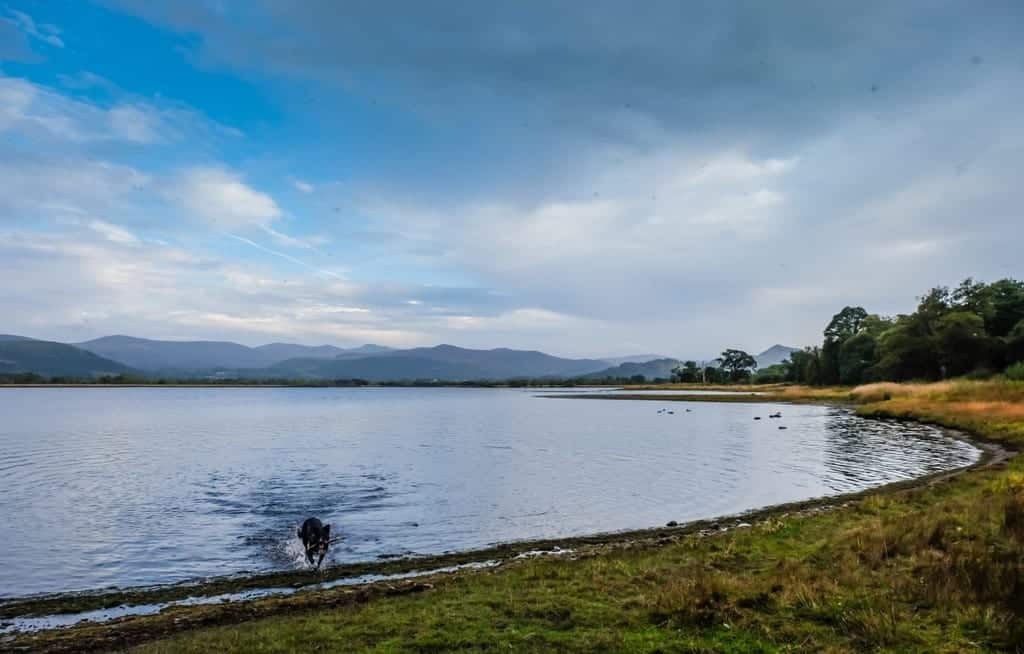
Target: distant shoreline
(306, 385)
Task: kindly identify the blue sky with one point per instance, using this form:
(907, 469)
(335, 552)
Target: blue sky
(585, 179)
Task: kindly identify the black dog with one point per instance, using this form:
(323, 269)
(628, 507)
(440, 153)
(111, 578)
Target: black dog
(315, 540)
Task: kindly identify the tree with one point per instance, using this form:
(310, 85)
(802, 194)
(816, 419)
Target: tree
(857, 355)
(737, 364)
(1007, 301)
(961, 342)
(688, 373)
(846, 323)
(713, 375)
(1015, 344)
(805, 366)
(775, 374)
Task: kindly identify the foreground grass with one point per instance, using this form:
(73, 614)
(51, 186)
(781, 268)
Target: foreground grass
(939, 568)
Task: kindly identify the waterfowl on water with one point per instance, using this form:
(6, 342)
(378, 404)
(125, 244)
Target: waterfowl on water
(783, 427)
(757, 417)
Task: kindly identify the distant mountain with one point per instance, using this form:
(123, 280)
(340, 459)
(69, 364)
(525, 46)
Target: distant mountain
(634, 358)
(503, 363)
(649, 369)
(18, 354)
(773, 355)
(12, 337)
(374, 369)
(147, 354)
(284, 351)
(363, 350)
(443, 362)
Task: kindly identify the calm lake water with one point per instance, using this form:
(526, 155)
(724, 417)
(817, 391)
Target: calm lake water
(125, 487)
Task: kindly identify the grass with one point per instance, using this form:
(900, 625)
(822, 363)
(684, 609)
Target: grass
(938, 567)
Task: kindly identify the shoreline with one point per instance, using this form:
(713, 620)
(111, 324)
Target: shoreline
(135, 629)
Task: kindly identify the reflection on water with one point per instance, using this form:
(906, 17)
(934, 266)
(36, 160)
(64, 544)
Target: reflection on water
(144, 486)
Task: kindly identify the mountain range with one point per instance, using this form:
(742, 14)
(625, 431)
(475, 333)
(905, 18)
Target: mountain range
(130, 355)
(146, 354)
(49, 359)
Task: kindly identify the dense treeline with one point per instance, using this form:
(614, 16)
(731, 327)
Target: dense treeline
(733, 366)
(975, 329)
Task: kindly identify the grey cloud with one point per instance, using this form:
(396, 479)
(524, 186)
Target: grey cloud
(698, 68)
(610, 168)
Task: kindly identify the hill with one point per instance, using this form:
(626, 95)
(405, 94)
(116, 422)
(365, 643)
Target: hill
(773, 355)
(54, 359)
(649, 369)
(443, 362)
(12, 337)
(147, 354)
(373, 369)
(634, 358)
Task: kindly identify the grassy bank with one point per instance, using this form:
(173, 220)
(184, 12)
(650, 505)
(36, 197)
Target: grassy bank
(938, 567)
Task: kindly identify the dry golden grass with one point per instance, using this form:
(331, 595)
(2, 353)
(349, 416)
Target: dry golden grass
(889, 390)
(1001, 410)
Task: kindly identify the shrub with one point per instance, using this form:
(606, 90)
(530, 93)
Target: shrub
(1016, 371)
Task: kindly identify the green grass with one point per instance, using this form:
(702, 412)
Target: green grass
(935, 568)
(857, 579)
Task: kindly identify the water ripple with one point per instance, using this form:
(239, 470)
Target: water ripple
(144, 486)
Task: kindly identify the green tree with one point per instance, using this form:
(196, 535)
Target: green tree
(737, 364)
(1007, 301)
(774, 374)
(805, 366)
(857, 356)
(713, 375)
(688, 373)
(1015, 344)
(844, 325)
(961, 342)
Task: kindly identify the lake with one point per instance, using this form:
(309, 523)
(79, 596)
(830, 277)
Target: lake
(138, 486)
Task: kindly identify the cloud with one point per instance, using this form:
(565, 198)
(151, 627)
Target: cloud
(34, 187)
(35, 110)
(94, 278)
(579, 179)
(113, 232)
(222, 199)
(532, 72)
(42, 32)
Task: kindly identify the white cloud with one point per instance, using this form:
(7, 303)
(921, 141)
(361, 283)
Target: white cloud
(41, 31)
(37, 188)
(38, 110)
(113, 232)
(131, 123)
(95, 278)
(220, 197)
(305, 187)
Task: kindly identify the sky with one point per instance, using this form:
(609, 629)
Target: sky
(587, 179)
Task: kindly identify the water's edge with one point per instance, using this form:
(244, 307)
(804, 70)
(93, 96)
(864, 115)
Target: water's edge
(27, 614)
